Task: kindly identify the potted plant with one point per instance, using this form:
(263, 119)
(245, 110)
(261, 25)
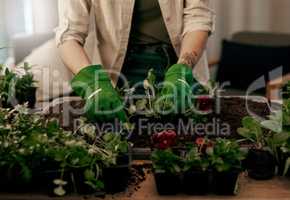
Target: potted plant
(166, 164)
(268, 137)
(225, 160)
(38, 152)
(16, 89)
(196, 178)
(116, 174)
(260, 161)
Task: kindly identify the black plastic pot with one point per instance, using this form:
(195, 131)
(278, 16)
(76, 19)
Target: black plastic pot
(116, 178)
(81, 187)
(29, 96)
(282, 161)
(196, 182)
(11, 180)
(260, 164)
(167, 183)
(43, 182)
(226, 183)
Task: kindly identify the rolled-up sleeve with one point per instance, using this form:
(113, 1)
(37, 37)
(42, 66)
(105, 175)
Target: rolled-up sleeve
(74, 17)
(198, 16)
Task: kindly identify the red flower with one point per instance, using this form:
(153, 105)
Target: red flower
(164, 139)
(200, 141)
(204, 103)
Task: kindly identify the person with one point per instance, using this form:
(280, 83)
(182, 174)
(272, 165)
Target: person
(112, 37)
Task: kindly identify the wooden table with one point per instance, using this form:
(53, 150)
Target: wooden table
(276, 189)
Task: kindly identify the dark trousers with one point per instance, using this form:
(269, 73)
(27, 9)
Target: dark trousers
(141, 58)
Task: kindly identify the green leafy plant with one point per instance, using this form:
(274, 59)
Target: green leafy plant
(253, 132)
(149, 106)
(225, 155)
(270, 135)
(166, 161)
(13, 86)
(195, 157)
(195, 160)
(27, 137)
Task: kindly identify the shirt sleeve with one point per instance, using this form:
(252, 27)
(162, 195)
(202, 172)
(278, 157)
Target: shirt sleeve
(198, 16)
(74, 17)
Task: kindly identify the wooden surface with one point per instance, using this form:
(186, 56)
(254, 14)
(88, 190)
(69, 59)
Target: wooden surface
(276, 189)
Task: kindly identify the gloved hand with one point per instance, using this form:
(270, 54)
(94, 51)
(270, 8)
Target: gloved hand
(176, 93)
(102, 101)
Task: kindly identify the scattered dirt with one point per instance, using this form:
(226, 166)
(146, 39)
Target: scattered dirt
(139, 174)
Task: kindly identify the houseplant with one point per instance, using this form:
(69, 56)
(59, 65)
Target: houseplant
(17, 89)
(196, 177)
(166, 164)
(35, 151)
(225, 159)
(267, 138)
(119, 170)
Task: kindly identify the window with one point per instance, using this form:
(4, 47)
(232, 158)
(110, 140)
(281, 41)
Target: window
(18, 14)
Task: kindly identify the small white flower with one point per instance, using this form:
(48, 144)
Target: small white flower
(79, 143)
(92, 151)
(59, 191)
(132, 109)
(146, 84)
(70, 143)
(6, 144)
(59, 182)
(21, 151)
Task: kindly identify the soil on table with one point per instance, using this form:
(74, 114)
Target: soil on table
(223, 122)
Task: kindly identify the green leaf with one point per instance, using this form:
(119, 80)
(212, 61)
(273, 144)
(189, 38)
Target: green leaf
(89, 174)
(287, 167)
(151, 77)
(141, 104)
(272, 125)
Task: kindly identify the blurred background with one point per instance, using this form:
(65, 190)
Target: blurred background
(27, 24)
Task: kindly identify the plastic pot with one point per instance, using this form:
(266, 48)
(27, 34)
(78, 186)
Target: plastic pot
(226, 183)
(282, 161)
(12, 181)
(43, 182)
(167, 183)
(260, 164)
(196, 182)
(116, 178)
(29, 96)
(81, 187)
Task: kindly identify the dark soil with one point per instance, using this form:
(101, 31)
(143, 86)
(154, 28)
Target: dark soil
(233, 110)
(138, 175)
(222, 123)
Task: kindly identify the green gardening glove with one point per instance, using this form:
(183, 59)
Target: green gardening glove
(176, 94)
(102, 101)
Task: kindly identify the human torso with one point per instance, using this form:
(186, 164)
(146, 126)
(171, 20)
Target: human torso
(109, 37)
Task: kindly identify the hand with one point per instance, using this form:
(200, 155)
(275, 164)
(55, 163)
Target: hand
(176, 94)
(189, 59)
(102, 101)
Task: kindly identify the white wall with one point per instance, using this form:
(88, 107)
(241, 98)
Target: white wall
(45, 15)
